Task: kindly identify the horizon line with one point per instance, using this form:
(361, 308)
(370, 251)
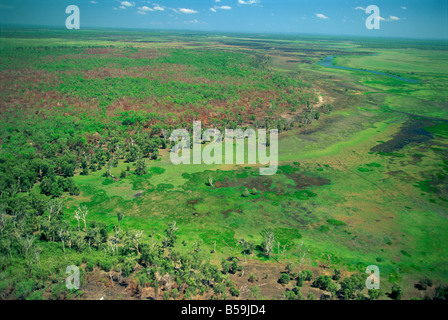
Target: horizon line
(92, 28)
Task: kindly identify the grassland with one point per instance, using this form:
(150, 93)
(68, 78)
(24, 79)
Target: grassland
(363, 185)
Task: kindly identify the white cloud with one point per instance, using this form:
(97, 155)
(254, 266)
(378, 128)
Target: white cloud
(360, 8)
(248, 1)
(141, 12)
(158, 8)
(94, 2)
(122, 7)
(192, 21)
(127, 4)
(404, 8)
(321, 16)
(391, 18)
(216, 8)
(187, 11)
(145, 8)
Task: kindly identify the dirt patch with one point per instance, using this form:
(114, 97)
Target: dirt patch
(191, 203)
(101, 285)
(401, 175)
(303, 182)
(261, 183)
(227, 212)
(266, 278)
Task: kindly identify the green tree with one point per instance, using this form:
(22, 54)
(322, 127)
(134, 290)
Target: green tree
(322, 282)
(350, 285)
(140, 167)
(284, 278)
(375, 294)
(396, 292)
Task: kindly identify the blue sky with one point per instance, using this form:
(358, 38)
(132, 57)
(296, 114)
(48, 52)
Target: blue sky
(399, 18)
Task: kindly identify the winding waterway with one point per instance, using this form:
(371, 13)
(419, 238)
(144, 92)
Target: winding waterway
(328, 63)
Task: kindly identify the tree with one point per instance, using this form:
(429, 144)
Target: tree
(77, 217)
(67, 169)
(268, 242)
(133, 240)
(423, 284)
(284, 278)
(289, 295)
(50, 187)
(234, 266)
(210, 181)
(350, 285)
(82, 212)
(245, 193)
(64, 235)
(247, 246)
(120, 217)
(171, 235)
(305, 275)
(54, 208)
(322, 282)
(396, 292)
(336, 275)
(140, 167)
(225, 266)
(255, 293)
(374, 294)
(289, 267)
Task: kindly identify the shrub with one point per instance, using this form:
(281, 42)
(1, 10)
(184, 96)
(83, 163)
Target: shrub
(252, 278)
(396, 292)
(89, 266)
(374, 294)
(174, 293)
(289, 295)
(306, 275)
(284, 278)
(24, 289)
(336, 222)
(105, 265)
(424, 284)
(322, 282)
(441, 293)
(336, 275)
(234, 292)
(350, 285)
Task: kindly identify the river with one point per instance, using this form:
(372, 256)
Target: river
(328, 63)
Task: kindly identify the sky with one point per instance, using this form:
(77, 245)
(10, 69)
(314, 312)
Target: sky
(398, 18)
